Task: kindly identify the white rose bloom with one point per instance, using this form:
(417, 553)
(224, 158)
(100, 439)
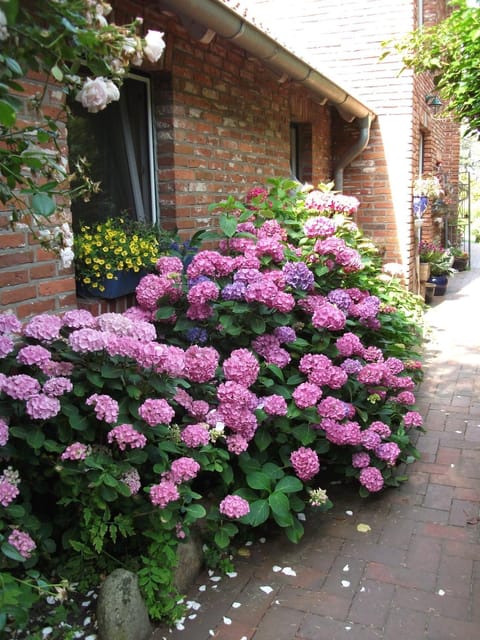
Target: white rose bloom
(3, 26)
(94, 95)
(154, 45)
(66, 257)
(112, 90)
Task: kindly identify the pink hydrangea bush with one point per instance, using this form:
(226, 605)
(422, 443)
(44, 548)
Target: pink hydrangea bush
(282, 356)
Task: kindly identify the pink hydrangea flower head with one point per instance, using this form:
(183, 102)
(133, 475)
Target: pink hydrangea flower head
(319, 226)
(360, 460)
(8, 491)
(201, 363)
(163, 493)
(9, 323)
(242, 367)
(169, 265)
(236, 444)
(57, 386)
(76, 451)
(21, 386)
(412, 419)
(275, 405)
(234, 506)
(195, 435)
(42, 407)
(331, 407)
(349, 345)
(106, 408)
(78, 319)
(3, 432)
(388, 451)
(305, 463)
(371, 478)
(33, 354)
(132, 479)
(125, 435)
(6, 346)
(306, 395)
(329, 316)
(22, 542)
(87, 340)
(43, 327)
(156, 411)
(183, 469)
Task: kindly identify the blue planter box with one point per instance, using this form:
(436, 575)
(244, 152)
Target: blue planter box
(440, 283)
(125, 283)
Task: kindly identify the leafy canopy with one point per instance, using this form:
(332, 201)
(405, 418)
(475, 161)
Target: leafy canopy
(450, 50)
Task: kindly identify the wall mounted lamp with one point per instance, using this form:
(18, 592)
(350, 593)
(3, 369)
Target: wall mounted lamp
(434, 102)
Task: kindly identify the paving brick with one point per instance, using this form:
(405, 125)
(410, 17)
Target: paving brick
(279, 623)
(432, 603)
(424, 554)
(455, 575)
(405, 623)
(438, 497)
(371, 603)
(464, 513)
(316, 602)
(319, 628)
(443, 628)
(412, 578)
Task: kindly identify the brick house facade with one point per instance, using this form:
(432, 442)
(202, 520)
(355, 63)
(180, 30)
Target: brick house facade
(224, 119)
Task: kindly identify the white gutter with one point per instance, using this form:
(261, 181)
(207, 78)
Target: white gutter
(217, 17)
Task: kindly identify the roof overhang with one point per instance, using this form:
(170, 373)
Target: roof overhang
(217, 18)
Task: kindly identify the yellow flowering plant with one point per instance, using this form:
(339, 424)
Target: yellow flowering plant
(104, 249)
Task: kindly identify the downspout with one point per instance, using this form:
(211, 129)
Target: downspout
(353, 152)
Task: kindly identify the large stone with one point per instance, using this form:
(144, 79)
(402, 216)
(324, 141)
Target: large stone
(189, 563)
(121, 611)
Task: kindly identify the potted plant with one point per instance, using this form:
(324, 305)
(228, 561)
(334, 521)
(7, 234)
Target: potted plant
(460, 258)
(440, 270)
(111, 256)
(425, 188)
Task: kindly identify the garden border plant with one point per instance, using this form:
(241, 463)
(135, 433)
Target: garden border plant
(215, 401)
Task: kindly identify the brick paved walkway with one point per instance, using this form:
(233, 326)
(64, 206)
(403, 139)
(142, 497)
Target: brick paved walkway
(416, 573)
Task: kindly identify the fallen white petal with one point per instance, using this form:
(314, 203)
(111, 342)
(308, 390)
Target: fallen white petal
(87, 621)
(215, 578)
(192, 616)
(346, 568)
(458, 431)
(441, 592)
(301, 517)
(46, 631)
(51, 599)
(288, 571)
(93, 636)
(345, 583)
(179, 626)
(362, 589)
(248, 543)
(86, 603)
(349, 513)
(348, 628)
(202, 587)
(276, 568)
(262, 540)
(244, 638)
(211, 572)
(266, 589)
(227, 620)
(232, 574)
(211, 632)
(452, 466)
(235, 605)
(192, 604)
(214, 586)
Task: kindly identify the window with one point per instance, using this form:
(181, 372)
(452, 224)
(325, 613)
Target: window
(301, 151)
(118, 144)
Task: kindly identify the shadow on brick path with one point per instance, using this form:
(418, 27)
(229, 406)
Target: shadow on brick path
(416, 573)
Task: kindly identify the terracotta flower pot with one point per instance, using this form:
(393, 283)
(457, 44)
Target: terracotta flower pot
(424, 271)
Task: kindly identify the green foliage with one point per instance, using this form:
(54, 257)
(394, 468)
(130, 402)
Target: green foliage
(450, 50)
